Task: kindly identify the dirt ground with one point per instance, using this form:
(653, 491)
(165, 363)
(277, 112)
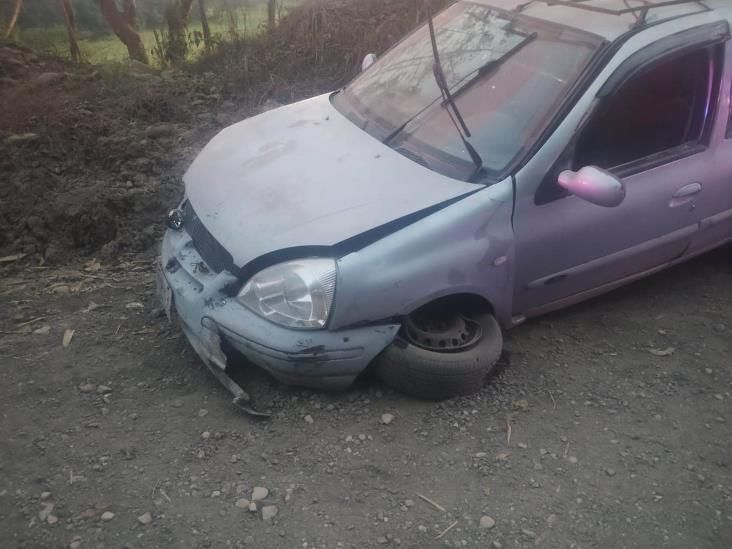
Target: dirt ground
(608, 425)
(619, 412)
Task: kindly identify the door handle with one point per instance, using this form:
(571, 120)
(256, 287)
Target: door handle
(685, 194)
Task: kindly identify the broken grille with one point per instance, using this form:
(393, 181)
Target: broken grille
(212, 253)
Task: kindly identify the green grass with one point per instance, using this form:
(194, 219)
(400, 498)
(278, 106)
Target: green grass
(100, 48)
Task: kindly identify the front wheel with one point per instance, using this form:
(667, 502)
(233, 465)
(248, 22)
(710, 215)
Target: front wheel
(440, 354)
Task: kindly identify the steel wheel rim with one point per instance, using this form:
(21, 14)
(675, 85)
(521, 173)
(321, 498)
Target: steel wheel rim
(448, 333)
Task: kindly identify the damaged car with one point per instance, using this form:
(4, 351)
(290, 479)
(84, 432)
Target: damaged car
(507, 159)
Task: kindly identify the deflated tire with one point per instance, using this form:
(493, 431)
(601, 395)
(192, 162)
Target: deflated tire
(418, 365)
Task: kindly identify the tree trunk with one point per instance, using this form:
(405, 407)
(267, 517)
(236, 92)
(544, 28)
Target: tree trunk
(176, 15)
(125, 31)
(204, 25)
(70, 21)
(233, 24)
(271, 13)
(129, 10)
(13, 18)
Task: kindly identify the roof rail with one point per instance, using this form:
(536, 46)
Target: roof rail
(640, 11)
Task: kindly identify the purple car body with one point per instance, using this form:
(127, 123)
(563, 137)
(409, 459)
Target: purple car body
(308, 234)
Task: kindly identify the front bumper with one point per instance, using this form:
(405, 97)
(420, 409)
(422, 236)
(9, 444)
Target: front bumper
(318, 359)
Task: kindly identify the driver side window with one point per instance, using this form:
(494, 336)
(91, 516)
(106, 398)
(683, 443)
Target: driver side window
(658, 115)
(650, 116)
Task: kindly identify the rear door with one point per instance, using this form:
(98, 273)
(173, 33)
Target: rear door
(715, 205)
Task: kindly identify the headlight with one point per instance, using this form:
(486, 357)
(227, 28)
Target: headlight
(296, 294)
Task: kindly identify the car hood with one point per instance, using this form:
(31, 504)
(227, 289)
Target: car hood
(304, 175)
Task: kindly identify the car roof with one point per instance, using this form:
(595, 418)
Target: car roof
(592, 16)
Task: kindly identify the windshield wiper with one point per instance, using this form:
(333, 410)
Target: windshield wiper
(493, 64)
(489, 67)
(448, 99)
(439, 75)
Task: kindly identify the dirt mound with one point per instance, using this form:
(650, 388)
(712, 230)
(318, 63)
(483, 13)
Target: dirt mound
(91, 157)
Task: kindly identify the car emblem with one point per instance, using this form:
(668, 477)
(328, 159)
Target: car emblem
(175, 220)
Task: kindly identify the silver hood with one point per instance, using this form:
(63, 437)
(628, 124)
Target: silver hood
(304, 175)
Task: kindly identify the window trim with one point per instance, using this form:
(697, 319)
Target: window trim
(712, 36)
(728, 133)
(658, 159)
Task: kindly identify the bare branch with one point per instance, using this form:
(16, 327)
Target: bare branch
(204, 25)
(14, 18)
(70, 21)
(176, 14)
(271, 13)
(129, 10)
(120, 23)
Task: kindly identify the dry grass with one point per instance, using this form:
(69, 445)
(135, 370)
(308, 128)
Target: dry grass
(320, 41)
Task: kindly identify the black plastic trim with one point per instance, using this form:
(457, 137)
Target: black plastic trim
(373, 235)
(658, 159)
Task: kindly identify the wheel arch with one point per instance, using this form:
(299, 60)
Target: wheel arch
(464, 301)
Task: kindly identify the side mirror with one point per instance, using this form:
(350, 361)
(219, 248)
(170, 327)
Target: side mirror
(594, 185)
(368, 61)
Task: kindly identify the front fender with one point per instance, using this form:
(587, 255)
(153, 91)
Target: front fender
(465, 248)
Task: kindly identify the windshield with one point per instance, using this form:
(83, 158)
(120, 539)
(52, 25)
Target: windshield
(508, 73)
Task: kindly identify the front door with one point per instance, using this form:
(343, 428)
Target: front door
(651, 128)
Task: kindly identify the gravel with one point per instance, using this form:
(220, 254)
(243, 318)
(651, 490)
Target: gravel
(591, 387)
(269, 512)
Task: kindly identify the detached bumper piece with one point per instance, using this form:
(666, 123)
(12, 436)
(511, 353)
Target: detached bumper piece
(242, 400)
(319, 359)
